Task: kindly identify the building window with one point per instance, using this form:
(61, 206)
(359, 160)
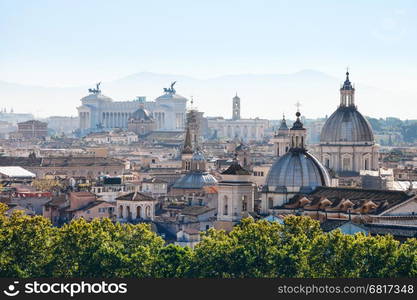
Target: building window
(245, 203)
(225, 206)
(327, 162)
(129, 213)
(138, 212)
(270, 202)
(346, 164)
(366, 164)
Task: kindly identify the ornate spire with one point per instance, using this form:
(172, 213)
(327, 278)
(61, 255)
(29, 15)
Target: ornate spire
(283, 125)
(347, 85)
(188, 147)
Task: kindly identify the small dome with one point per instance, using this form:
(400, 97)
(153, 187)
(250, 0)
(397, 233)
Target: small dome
(346, 124)
(283, 125)
(297, 168)
(195, 180)
(142, 114)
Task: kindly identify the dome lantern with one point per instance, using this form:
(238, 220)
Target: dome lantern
(298, 133)
(347, 93)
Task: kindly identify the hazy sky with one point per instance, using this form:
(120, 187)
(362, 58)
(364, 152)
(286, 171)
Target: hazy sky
(65, 43)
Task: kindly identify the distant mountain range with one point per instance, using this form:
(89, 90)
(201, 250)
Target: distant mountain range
(264, 96)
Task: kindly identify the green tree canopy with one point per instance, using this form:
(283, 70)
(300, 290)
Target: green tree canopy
(32, 247)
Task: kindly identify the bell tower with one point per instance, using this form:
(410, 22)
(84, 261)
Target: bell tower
(236, 108)
(281, 139)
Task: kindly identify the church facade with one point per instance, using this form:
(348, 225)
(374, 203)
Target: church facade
(99, 112)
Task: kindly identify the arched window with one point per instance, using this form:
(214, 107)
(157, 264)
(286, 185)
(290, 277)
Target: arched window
(129, 213)
(327, 162)
(244, 203)
(225, 206)
(121, 211)
(366, 164)
(138, 212)
(148, 211)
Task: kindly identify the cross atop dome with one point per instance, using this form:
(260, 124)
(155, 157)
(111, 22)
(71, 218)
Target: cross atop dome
(298, 104)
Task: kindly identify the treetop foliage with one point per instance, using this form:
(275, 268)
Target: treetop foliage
(32, 247)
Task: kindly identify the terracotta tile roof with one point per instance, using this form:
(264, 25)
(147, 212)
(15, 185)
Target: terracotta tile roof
(91, 205)
(344, 199)
(60, 161)
(196, 210)
(136, 196)
(211, 189)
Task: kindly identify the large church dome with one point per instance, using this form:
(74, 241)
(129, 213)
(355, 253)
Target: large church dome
(195, 180)
(347, 125)
(297, 169)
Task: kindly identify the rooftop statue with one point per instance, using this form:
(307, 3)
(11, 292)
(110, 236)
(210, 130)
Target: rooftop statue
(170, 90)
(96, 90)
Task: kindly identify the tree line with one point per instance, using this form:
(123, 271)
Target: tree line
(32, 247)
